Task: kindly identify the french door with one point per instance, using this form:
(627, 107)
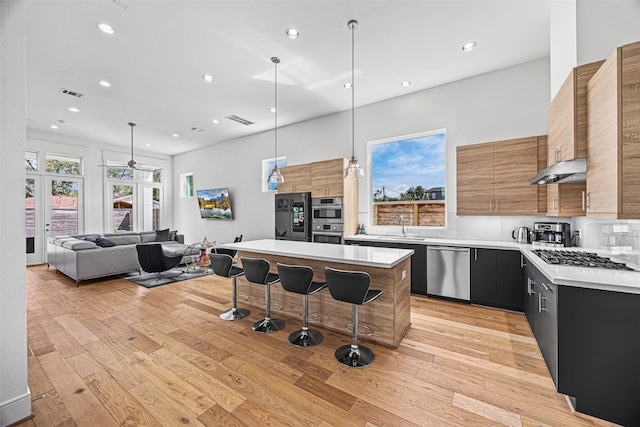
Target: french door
(54, 206)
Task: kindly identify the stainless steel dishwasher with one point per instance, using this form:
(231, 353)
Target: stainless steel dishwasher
(448, 272)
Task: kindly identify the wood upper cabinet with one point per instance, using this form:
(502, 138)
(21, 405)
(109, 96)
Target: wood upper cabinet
(297, 179)
(613, 137)
(493, 178)
(568, 138)
(327, 178)
(568, 116)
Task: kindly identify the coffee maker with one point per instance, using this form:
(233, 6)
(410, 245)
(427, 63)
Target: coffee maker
(554, 234)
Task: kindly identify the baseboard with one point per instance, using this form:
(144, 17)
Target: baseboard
(16, 409)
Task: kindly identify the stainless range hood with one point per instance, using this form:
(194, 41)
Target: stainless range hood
(562, 172)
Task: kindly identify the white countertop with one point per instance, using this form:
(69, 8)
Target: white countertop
(356, 255)
(584, 277)
(415, 240)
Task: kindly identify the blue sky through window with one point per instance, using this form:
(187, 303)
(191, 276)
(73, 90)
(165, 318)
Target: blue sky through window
(399, 165)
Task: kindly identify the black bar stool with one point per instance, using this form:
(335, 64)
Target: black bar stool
(352, 287)
(256, 270)
(299, 279)
(223, 266)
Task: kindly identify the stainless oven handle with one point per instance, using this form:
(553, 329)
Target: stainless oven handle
(326, 233)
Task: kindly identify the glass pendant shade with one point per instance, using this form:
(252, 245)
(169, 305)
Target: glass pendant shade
(276, 176)
(354, 170)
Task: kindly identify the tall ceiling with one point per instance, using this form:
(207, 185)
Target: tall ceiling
(161, 49)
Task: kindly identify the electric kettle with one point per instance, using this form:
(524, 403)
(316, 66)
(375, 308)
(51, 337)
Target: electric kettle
(521, 234)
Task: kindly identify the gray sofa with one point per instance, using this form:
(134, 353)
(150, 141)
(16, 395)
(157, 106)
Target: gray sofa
(81, 258)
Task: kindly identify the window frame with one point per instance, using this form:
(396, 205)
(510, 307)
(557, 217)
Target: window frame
(369, 198)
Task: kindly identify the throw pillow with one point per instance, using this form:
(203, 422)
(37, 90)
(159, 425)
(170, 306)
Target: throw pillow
(173, 235)
(104, 242)
(162, 235)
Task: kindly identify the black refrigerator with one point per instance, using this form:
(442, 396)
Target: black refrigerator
(293, 216)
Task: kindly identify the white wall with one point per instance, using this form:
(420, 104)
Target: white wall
(603, 25)
(563, 49)
(15, 397)
(505, 104)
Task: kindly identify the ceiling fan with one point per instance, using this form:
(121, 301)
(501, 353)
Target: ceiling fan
(132, 164)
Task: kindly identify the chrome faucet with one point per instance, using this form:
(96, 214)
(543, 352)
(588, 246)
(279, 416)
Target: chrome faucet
(402, 225)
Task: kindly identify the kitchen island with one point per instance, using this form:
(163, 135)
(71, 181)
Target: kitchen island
(390, 271)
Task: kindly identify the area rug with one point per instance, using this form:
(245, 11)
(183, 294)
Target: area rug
(149, 280)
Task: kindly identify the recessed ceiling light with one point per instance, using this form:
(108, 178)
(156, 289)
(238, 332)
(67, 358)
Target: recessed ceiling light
(147, 145)
(175, 135)
(272, 109)
(405, 84)
(53, 127)
(469, 46)
(105, 28)
(292, 33)
(104, 83)
(207, 78)
(347, 85)
(215, 121)
(74, 110)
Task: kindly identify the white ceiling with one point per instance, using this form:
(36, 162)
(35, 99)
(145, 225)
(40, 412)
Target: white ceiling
(161, 49)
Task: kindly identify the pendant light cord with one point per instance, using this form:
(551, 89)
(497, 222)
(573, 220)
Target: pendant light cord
(275, 61)
(132, 125)
(353, 24)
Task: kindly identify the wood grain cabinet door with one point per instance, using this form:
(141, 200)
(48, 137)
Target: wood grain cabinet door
(327, 178)
(514, 163)
(474, 185)
(297, 179)
(613, 137)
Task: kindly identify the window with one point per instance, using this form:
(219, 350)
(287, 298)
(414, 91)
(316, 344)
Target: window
(136, 198)
(408, 180)
(63, 165)
(186, 184)
(31, 161)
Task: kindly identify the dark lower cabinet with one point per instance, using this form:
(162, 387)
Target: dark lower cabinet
(599, 352)
(496, 278)
(418, 262)
(590, 341)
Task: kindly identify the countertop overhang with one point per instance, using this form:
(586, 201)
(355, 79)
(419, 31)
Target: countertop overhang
(348, 254)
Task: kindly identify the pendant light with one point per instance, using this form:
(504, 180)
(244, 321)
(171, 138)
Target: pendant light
(275, 177)
(353, 170)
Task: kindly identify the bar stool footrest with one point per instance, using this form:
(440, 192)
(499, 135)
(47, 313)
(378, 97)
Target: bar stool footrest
(363, 330)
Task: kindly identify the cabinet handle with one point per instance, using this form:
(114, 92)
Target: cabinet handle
(588, 200)
(540, 309)
(583, 201)
(475, 254)
(497, 205)
(553, 209)
(530, 284)
(556, 156)
(522, 264)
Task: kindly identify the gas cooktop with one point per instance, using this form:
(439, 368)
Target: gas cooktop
(579, 259)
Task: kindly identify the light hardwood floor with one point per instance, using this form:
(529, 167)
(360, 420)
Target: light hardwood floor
(113, 353)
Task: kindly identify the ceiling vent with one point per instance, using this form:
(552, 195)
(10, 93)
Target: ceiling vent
(239, 120)
(72, 93)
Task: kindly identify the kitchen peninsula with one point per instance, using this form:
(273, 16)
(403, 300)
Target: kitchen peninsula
(390, 271)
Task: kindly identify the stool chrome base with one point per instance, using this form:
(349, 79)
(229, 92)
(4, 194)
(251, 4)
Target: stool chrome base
(307, 338)
(267, 326)
(354, 357)
(235, 314)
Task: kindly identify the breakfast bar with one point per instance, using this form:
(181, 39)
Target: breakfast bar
(390, 271)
